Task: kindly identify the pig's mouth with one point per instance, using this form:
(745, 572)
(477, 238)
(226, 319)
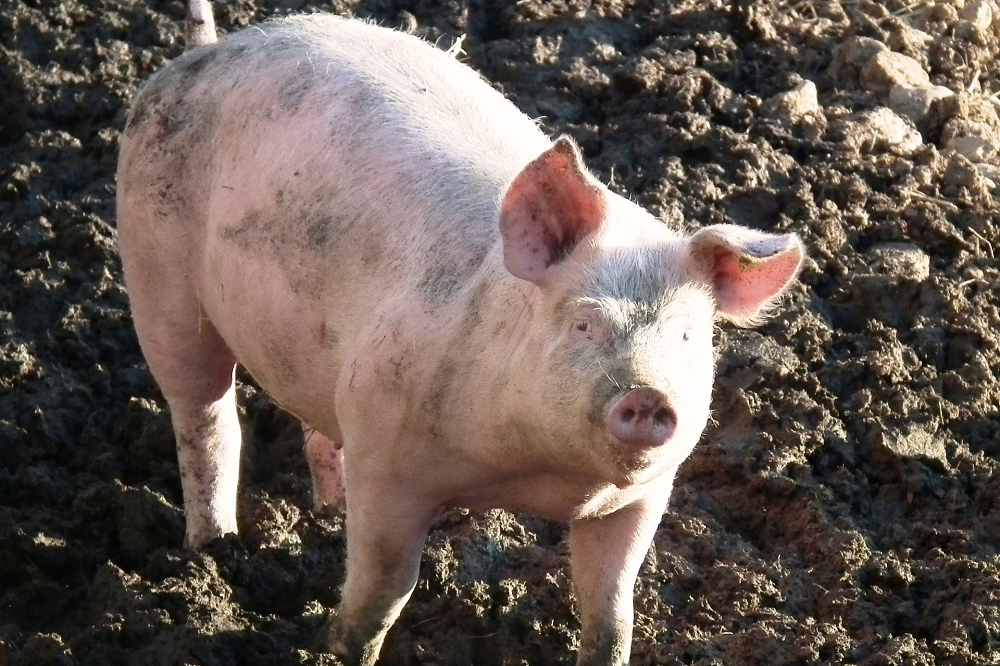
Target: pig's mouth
(638, 428)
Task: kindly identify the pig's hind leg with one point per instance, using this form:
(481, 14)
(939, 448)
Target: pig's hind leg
(326, 467)
(195, 371)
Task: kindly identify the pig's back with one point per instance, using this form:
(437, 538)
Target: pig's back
(322, 175)
(403, 90)
(386, 114)
(325, 137)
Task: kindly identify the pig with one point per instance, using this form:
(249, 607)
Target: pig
(457, 310)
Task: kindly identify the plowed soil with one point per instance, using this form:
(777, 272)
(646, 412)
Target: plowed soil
(843, 506)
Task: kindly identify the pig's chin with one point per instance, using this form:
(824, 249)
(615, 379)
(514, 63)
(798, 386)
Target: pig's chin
(631, 465)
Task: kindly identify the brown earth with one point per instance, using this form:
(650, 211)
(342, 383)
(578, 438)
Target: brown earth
(842, 508)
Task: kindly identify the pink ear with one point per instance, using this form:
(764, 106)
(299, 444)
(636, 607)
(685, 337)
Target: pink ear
(748, 268)
(547, 210)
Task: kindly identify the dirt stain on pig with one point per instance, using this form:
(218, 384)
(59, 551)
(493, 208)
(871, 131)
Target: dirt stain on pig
(441, 388)
(328, 338)
(250, 228)
(603, 390)
(474, 308)
(293, 93)
(319, 231)
(155, 97)
(142, 107)
(194, 62)
(373, 252)
(439, 283)
(259, 231)
(316, 215)
(168, 94)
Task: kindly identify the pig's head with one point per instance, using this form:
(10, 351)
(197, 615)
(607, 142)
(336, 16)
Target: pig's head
(620, 340)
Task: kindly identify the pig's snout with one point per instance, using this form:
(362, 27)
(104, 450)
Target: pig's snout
(642, 418)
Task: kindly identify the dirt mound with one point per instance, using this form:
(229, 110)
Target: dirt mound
(843, 506)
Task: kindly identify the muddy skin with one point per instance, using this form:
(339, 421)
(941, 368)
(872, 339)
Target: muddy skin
(842, 508)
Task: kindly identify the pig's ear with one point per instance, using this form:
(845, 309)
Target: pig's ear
(548, 209)
(748, 269)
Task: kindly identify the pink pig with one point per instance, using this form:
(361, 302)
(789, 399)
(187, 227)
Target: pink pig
(460, 310)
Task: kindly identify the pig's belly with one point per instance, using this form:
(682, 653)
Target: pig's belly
(560, 498)
(289, 341)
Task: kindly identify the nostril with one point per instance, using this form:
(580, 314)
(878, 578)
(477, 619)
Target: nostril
(628, 414)
(663, 415)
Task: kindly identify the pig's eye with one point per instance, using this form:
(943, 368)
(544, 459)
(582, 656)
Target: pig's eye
(586, 328)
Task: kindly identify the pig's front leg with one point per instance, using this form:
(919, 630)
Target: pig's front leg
(386, 530)
(606, 554)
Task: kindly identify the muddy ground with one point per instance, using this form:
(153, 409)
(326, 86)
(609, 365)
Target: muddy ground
(842, 508)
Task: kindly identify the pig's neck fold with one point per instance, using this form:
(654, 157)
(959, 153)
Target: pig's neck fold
(502, 348)
(502, 308)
